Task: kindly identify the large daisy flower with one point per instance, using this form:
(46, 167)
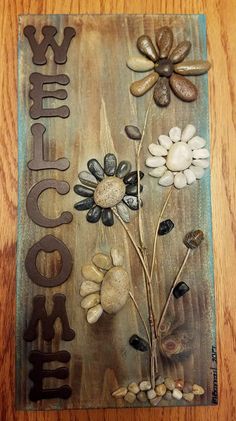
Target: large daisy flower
(112, 187)
(179, 158)
(169, 68)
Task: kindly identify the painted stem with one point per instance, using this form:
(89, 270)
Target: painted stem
(157, 228)
(141, 317)
(171, 292)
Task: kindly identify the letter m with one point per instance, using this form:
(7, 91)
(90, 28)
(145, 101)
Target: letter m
(39, 314)
(39, 49)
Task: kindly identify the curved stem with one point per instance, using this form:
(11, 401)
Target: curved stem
(140, 222)
(157, 228)
(141, 317)
(171, 292)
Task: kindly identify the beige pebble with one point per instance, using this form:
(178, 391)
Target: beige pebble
(120, 393)
(188, 132)
(198, 390)
(192, 68)
(145, 385)
(102, 261)
(155, 401)
(177, 394)
(170, 384)
(188, 396)
(109, 192)
(140, 64)
(160, 389)
(117, 256)
(157, 172)
(151, 394)
(91, 273)
(165, 141)
(175, 134)
(140, 87)
(94, 314)
(90, 300)
(133, 387)
(88, 287)
(167, 179)
(142, 397)
(188, 387)
(159, 380)
(115, 290)
(130, 397)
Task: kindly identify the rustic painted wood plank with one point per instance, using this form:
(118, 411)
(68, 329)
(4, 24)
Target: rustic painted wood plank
(101, 85)
(221, 28)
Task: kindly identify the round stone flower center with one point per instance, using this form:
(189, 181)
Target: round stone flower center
(109, 192)
(179, 157)
(164, 67)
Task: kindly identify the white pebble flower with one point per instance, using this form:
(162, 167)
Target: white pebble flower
(179, 158)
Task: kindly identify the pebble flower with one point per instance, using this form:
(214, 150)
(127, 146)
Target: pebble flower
(113, 186)
(179, 158)
(169, 68)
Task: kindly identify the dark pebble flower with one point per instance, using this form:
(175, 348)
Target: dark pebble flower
(169, 68)
(113, 186)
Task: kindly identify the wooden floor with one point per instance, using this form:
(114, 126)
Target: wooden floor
(221, 25)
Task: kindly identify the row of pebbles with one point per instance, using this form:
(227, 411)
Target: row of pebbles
(165, 388)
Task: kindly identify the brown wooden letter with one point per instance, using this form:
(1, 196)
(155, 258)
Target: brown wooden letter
(62, 187)
(39, 314)
(38, 162)
(39, 49)
(37, 374)
(48, 244)
(37, 94)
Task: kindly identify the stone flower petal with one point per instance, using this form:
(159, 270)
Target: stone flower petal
(84, 204)
(180, 180)
(146, 47)
(165, 141)
(203, 163)
(155, 161)
(188, 133)
(140, 64)
(157, 150)
(107, 217)
(183, 88)
(161, 92)
(140, 87)
(201, 154)
(157, 172)
(167, 179)
(192, 68)
(190, 176)
(198, 171)
(197, 142)
(180, 52)
(123, 211)
(164, 40)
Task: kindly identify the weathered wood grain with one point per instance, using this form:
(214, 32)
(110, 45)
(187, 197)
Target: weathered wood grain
(221, 40)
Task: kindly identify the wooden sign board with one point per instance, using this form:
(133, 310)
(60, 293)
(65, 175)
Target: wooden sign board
(101, 302)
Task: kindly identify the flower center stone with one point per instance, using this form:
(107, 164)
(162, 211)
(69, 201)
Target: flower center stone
(109, 192)
(179, 157)
(164, 67)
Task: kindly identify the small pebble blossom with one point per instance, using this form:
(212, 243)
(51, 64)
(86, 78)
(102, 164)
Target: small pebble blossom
(106, 285)
(178, 159)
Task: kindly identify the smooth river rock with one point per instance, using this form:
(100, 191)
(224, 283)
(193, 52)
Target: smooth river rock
(183, 88)
(102, 261)
(107, 217)
(91, 273)
(175, 134)
(124, 167)
(188, 133)
(155, 161)
(140, 64)
(88, 179)
(110, 163)
(197, 142)
(84, 204)
(180, 180)
(90, 301)
(120, 393)
(146, 47)
(117, 256)
(109, 192)
(161, 92)
(192, 68)
(140, 87)
(83, 191)
(94, 214)
(164, 40)
(179, 157)
(180, 52)
(157, 172)
(157, 150)
(133, 132)
(167, 179)
(123, 211)
(88, 287)
(115, 290)
(96, 169)
(94, 314)
(165, 141)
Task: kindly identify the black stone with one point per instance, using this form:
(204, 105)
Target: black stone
(165, 227)
(133, 132)
(84, 204)
(132, 178)
(110, 164)
(138, 343)
(94, 214)
(123, 169)
(96, 169)
(107, 217)
(133, 189)
(180, 289)
(132, 202)
(164, 67)
(83, 191)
